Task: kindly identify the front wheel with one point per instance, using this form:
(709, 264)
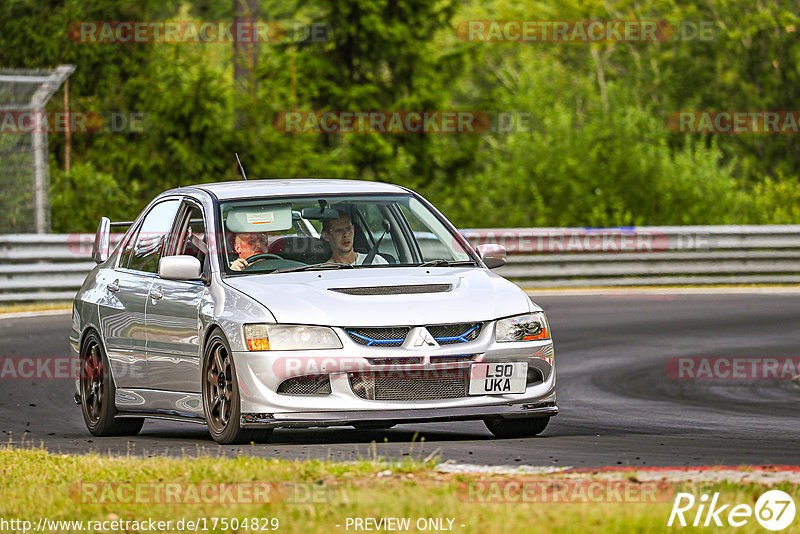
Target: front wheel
(221, 402)
(98, 392)
(516, 428)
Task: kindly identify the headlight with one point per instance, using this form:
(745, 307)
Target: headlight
(290, 337)
(522, 328)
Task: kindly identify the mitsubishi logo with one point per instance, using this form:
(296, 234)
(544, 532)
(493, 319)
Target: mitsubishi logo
(420, 339)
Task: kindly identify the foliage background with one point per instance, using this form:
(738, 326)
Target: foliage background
(597, 151)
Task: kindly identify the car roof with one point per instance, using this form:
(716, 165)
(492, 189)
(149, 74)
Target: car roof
(300, 186)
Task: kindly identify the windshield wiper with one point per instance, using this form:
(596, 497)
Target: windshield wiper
(445, 263)
(315, 267)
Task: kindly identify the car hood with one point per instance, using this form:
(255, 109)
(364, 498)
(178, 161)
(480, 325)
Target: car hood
(310, 298)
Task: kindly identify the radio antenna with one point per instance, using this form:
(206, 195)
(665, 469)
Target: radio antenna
(240, 166)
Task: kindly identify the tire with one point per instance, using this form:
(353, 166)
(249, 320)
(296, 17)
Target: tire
(221, 401)
(516, 428)
(98, 393)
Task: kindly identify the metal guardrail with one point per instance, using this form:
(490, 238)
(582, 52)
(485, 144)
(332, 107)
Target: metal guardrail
(52, 267)
(655, 255)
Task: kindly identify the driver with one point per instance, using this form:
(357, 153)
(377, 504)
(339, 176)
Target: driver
(339, 234)
(247, 245)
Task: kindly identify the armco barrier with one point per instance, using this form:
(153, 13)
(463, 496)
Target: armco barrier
(52, 267)
(44, 267)
(654, 255)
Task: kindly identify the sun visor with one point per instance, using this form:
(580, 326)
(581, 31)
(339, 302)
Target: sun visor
(252, 219)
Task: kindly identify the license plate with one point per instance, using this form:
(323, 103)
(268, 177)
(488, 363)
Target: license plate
(498, 378)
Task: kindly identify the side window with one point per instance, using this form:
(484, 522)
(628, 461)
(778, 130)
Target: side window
(127, 251)
(149, 243)
(373, 217)
(191, 234)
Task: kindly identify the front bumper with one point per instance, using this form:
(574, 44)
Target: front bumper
(260, 374)
(544, 408)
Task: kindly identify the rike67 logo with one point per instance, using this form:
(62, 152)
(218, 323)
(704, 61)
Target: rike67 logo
(774, 510)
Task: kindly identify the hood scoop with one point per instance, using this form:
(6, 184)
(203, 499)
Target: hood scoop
(394, 290)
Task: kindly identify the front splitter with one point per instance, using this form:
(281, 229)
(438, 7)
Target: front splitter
(546, 408)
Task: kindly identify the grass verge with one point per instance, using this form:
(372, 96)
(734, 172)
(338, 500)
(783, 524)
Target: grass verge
(327, 497)
(34, 306)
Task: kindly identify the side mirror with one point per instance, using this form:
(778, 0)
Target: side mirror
(180, 268)
(492, 255)
(101, 241)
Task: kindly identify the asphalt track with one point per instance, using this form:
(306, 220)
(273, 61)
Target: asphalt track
(619, 406)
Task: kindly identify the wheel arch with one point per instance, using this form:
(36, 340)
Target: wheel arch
(213, 327)
(89, 328)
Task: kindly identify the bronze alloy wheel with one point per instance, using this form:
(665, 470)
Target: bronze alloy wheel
(97, 393)
(92, 383)
(219, 387)
(221, 395)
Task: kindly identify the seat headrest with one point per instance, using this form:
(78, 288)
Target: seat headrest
(301, 248)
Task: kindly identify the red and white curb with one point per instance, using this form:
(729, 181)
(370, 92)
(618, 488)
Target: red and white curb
(764, 474)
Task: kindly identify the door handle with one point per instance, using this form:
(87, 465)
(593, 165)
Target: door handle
(156, 294)
(113, 286)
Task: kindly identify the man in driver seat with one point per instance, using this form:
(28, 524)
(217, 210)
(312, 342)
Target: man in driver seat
(247, 245)
(339, 234)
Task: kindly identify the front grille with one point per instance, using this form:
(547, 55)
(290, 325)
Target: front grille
(444, 334)
(394, 361)
(408, 385)
(449, 334)
(453, 359)
(306, 385)
(394, 290)
(382, 337)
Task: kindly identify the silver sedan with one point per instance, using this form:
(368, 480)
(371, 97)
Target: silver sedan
(248, 306)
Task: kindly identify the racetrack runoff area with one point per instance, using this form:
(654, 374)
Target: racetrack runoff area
(623, 420)
(97, 493)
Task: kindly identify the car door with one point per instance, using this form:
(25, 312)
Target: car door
(173, 323)
(122, 313)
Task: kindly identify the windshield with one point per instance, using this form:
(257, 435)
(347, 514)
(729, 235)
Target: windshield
(310, 233)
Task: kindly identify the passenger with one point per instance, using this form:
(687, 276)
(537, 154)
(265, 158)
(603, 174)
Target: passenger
(247, 245)
(339, 233)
